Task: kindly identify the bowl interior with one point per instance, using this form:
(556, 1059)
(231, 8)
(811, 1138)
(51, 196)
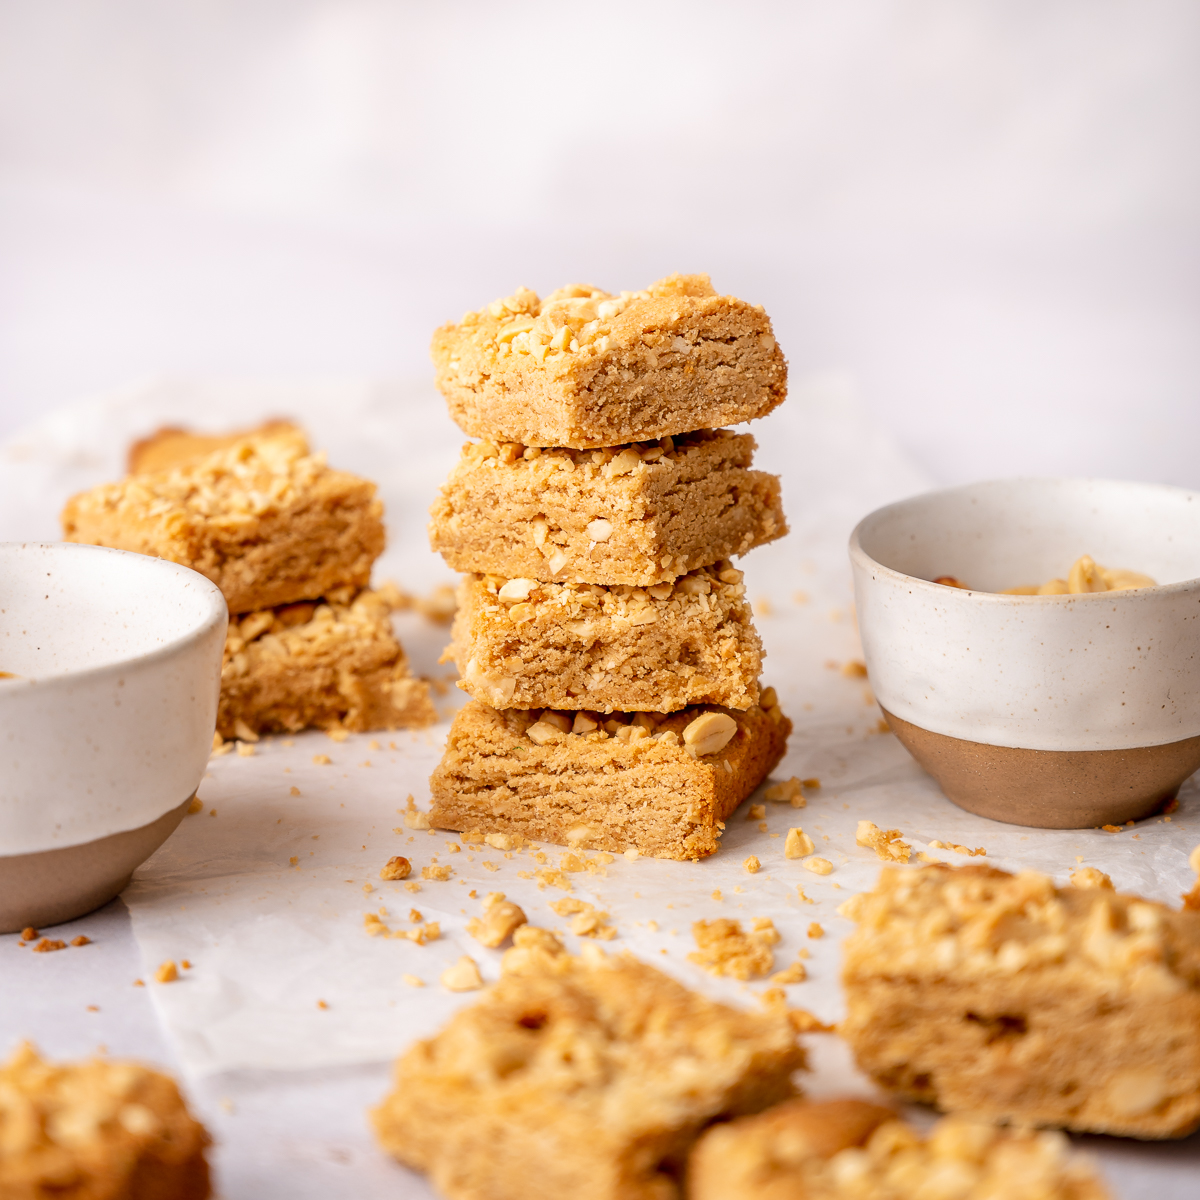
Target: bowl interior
(1003, 534)
(66, 608)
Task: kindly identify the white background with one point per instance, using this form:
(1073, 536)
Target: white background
(985, 214)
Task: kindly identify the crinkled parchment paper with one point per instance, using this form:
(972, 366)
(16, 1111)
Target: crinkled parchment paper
(291, 1010)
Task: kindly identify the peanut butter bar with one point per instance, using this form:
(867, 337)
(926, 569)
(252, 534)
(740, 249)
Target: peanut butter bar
(523, 644)
(330, 664)
(852, 1150)
(636, 514)
(585, 368)
(584, 1077)
(662, 786)
(96, 1130)
(265, 520)
(1008, 998)
(172, 446)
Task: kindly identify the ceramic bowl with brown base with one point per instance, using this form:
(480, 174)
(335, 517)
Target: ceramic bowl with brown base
(108, 701)
(1058, 711)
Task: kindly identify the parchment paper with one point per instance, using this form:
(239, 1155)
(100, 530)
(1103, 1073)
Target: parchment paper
(292, 1010)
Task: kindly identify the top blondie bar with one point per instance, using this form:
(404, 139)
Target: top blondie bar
(586, 369)
(268, 522)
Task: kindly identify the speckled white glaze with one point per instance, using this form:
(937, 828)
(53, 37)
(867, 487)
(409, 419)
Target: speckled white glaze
(110, 724)
(1109, 671)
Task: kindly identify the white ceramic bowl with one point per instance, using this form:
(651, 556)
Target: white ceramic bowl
(106, 729)
(1059, 711)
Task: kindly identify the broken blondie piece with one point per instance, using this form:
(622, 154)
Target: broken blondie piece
(637, 514)
(584, 368)
(853, 1150)
(327, 664)
(519, 643)
(588, 1077)
(265, 520)
(99, 1129)
(661, 785)
(1008, 998)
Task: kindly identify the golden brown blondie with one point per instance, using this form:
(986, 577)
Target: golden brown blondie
(96, 1130)
(585, 1077)
(584, 368)
(265, 520)
(173, 446)
(661, 786)
(1008, 998)
(636, 514)
(523, 644)
(853, 1150)
(324, 664)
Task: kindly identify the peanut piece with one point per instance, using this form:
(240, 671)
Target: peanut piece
(709, 733)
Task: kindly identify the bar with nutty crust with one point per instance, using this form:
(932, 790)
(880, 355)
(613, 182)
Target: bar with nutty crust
(518, 643)
(265, 520)
(96, 1130)
(588, 1077)
(854, 1150)
(1011, 999)
(330, 664)
(661, 786)
(584, 368)
(636, 514)
(173, 446)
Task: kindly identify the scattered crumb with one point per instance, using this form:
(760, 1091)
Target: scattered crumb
(293, 861)
(29, 934)
(138, 983)
(803, 1021)
(652, 925)
(212, 812)
(500, 919)
(763, 607)
(588, 922)
(196, 805)
(855, 669)
(812, 784)
(335, 733)
(800, 597)
(187, 966)
(166, 973)
(724, 949)
(885, 842)
(412, 886)
(453, 848)
(322, 760)
(800, 892)
(796, 973)
(48, 945)
(81, 940)
(245, 750)
(631, 854)
(413, 818)
(412, 980)
(373, 925)
(440, 874)
(1090, 877)
(798, 843)
(373, 744)
(93, 1008)
(490, 866)
(294, 791)
(815, 930)
(549, 877)
(789, 792)
(818, 866)
(1111, 828)
(717, 894)
(462, 977)
(752, 864)
(396, 867)
(321, 1004)
(1171, 805)
(936, 845)
(504, 841)
(756, 812)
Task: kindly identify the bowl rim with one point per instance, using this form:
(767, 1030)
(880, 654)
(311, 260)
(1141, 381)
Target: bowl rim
(217, 614)
(859, 556)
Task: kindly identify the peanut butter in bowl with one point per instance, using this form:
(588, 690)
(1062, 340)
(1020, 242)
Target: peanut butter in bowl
(1085, 575)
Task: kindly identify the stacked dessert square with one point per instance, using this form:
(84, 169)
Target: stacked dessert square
(602, 632)
(291, 543)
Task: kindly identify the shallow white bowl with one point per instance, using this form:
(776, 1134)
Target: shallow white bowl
(1042, 710)
(106, 729)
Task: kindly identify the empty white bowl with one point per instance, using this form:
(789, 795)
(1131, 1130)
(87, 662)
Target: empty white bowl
(1057, 711)
(107, 723)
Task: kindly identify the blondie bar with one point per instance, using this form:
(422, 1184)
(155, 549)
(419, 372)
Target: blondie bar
(265, 520)
(328, 664)
(172, 446)
(585, 1077)
(523, 644)
(852, 1150)
(1008, 998)
(662, 786)
(96, 1130)
(636, 514)
(584, 368)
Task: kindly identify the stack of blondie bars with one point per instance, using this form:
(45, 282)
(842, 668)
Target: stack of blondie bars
(602, 632)
(290, 542)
